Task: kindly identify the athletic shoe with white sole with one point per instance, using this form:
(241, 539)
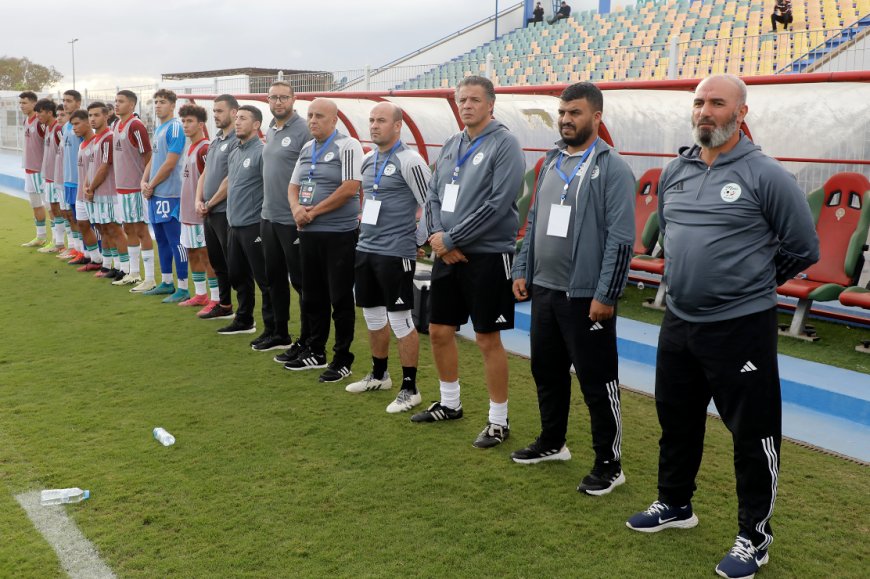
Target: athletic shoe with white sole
(145, 286)
(49, 248)
(164, 289)
(35, 242)
(370, 383)
(437, 412)
(291, 354)
(743, 560)
(215, 311)
(661, 516)
(605, 477)
(307, 360)
(492, 435)
(272, 342)
(335, 372)
(237, 327)
(197, 301)
(405, 400)
(536, 452)
(128, 279)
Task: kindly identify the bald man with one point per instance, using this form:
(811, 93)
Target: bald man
(395, 179)
(324, 198)
(729, 210)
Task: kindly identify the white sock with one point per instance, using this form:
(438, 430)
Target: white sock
(134, 251)
(182, 284)
(498, 413)
(40, 231)
(117, 260)
(96, 256)
(58, 233)
(450, 395)
(166, 278)
(199, 287)
(148, 261)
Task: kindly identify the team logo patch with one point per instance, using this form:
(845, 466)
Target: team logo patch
(224, 146)
(647, 199)
(247, 163)
(840, 213)
(200, 238)
(730, 192)
(389, 170)
(329, 156)
(477, 159)
(595, 172)
(285, 141)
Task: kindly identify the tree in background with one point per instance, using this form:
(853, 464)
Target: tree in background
(22, 74)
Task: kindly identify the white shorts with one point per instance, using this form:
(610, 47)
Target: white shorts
(105, 210)
(53, 193)
(81, 211)
(133, 207)
(192, 236)
(63, 205)
(34, 187)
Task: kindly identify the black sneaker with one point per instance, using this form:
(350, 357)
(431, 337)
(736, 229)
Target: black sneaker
(492, 435)
(119, 275)
(237, 327)
(291, 354)
(536, 452)
(605, 476)
(307, 360)
(273, 342)
(437, 412)
(261, 338)
(335, 371)
(217, 312)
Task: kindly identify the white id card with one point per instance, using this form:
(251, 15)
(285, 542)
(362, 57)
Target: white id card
(451, 192)
(560, 217)
(371, 209)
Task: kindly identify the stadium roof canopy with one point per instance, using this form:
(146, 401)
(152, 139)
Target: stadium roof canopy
(250, 71)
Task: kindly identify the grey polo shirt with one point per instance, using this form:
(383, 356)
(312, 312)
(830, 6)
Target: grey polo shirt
(279, 159)
(216, 166)
(245, 187)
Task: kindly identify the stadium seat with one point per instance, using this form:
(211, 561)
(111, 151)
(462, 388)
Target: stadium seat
(526, 198)
(842, 212)
(646, 233)
(857, 297)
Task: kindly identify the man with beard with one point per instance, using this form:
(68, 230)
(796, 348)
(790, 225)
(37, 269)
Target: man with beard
(575, 263)
(735, 224)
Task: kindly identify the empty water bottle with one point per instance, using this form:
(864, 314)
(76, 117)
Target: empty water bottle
(62, 496)
(640, 285)
(163, 437)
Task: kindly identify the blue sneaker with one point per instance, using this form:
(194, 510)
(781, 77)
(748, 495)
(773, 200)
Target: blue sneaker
(179, 296)
(661, 516)
(743, 560)
(164, 289)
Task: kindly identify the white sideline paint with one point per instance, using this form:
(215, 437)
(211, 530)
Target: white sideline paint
(77, 555)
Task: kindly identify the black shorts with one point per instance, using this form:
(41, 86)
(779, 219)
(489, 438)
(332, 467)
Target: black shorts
(384, 280)
(481, 288)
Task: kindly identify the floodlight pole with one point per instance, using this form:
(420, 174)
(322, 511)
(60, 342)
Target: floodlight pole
(496, 20)
(72, 44)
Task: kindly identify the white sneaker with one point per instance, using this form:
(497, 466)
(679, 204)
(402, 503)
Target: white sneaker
(405, 401)
(370, 383)
(148, 284)
(128, 279)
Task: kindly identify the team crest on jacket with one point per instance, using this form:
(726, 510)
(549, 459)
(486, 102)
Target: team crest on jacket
(224, 146)
(247, 163)
(595, 172)
(329, 156)
(730, 192)
(389, 170)
(477, 159)
(285, 141)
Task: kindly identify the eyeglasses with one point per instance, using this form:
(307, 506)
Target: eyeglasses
(273, 98)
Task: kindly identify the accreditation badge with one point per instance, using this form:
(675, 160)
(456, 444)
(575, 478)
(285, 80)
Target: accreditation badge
(306, 193)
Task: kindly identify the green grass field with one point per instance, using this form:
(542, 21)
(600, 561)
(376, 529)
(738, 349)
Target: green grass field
(276, 475)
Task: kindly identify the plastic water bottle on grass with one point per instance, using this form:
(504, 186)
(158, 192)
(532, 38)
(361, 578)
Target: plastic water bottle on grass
(63, 496)
(640, 285)
(163, 437)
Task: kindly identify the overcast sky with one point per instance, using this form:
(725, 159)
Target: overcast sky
(131, 42)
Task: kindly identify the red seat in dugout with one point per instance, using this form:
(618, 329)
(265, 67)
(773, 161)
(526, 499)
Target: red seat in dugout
(842, 212)
(646, 231)
(857, 297)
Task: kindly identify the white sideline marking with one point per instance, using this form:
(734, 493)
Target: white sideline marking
(77, 555)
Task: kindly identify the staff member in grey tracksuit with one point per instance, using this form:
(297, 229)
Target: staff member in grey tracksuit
(472, 216)
(324, 195)
(244, 244)
(575, 264)
(211, 195)
(287, 134)
(735, 226)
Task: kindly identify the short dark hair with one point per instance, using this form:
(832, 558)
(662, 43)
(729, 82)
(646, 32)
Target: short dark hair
(478, 81)
(584, 90)
(99, 105)
(229, 99)
(283, 83)
(74, 94)
(258, 116)
(129, 94)
(45, 105)
(78, 114)
(167, 94)
(192, 110)
(58, 109)
(29, 95)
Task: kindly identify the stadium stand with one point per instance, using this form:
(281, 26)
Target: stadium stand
(633, 44)
(842, 212)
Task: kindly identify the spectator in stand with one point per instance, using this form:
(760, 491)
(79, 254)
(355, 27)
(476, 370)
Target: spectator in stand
(781, 14)
(563, 13)
(537, 14)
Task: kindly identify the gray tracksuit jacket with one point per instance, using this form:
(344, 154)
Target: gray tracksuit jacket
(732, 232)
(485, 219)
(603, 228)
